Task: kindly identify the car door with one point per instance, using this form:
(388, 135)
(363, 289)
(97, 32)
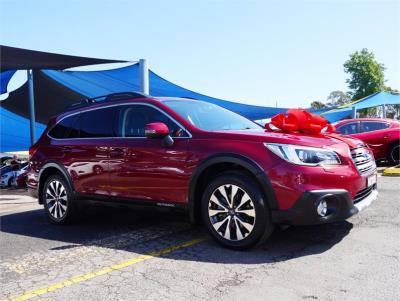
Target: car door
(145, 169)
(87, 152)
(374, 133)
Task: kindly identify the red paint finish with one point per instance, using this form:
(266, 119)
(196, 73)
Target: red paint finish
(143, 169)
(156, 130)
(378, 140)
(146, 169)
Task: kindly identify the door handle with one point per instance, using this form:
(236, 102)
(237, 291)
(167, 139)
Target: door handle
(386, 136)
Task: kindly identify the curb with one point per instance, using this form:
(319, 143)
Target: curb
(392, 171)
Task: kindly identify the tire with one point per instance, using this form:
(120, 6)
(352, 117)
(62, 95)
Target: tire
(58, 200)
(394, 153)
(246, 229)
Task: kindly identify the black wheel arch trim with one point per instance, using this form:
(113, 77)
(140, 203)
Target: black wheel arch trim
(60, 168)
(237, 159)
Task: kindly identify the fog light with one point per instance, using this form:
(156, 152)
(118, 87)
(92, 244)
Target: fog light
(322, 208)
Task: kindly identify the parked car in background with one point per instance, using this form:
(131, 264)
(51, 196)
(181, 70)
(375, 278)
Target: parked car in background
(7, 178)
(381, 135)
(5, 169)
(4, 159)
(218, 166)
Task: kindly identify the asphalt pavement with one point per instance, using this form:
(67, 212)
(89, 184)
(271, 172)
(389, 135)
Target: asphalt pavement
(124, 254)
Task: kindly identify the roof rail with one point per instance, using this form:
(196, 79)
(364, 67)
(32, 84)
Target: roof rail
(82, 103)
(105, 98)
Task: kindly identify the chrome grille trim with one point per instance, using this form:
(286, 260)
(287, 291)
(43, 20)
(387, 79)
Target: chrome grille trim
(362, 194)
(363, 160)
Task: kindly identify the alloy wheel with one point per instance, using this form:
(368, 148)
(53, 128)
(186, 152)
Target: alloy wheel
(232, 213)
(395, 154)
(56, 199)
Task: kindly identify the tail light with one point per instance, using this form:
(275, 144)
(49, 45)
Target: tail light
(32, 151)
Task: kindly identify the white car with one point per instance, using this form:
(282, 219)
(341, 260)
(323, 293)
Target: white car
(7, 178)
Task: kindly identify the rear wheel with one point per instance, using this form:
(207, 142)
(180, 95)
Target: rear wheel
(235, 212)
(57, 200)
(394, 154)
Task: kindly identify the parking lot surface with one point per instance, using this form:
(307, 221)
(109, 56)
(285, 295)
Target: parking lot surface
(122, 254)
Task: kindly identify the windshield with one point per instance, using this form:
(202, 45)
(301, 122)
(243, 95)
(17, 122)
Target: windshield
(210, 117)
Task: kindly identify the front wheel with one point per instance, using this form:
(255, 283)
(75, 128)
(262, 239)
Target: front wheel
(57, 199)
(235, 211)
(394, 154)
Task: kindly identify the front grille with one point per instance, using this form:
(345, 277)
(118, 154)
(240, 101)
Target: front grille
(362, 194)
(363, 160)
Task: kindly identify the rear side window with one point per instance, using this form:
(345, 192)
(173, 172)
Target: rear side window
(66, 128)
(369, 126)
(92, 124)
(133, 119)
(97, 123)
(348, 129)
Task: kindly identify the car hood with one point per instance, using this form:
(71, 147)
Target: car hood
(320, 140)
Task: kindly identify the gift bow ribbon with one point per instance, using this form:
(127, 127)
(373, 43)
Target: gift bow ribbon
(300, 121)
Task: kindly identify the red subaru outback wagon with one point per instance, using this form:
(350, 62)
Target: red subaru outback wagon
(220, 167)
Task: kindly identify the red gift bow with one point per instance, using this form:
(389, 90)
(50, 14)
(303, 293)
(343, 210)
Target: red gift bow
(300, 121)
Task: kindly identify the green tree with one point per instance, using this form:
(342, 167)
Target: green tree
(391, 90)
(337, 98)
(318, 105)
(366, 74)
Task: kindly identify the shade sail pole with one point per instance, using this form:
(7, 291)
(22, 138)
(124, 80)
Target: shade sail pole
(31, 98)
(143, 76)
(354, 112)
(384, 111)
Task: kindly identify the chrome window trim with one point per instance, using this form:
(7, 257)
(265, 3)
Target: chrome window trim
(116, 105)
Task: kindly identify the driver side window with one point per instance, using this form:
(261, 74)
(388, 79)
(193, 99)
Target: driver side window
(348, 128)
(132, 120)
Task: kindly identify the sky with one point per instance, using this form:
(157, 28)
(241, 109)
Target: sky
(284, 53)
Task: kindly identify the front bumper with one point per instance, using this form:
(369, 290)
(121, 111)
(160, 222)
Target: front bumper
(340, 207)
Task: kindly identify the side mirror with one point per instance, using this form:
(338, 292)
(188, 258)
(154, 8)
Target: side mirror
(159, 130)
(156, 130)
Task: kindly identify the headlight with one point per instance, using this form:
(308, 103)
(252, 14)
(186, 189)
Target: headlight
(304, 155)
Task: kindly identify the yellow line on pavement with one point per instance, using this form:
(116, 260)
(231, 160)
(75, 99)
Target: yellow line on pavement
(84, 277)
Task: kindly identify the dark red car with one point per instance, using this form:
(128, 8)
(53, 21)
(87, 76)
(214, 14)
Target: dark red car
(218, 166)
(381, 135)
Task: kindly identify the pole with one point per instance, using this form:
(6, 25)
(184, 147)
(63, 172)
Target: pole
(31, 96)
(384, 111)
(354, 112)
(143, 76)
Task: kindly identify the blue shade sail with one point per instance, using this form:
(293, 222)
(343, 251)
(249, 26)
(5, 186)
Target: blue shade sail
(55, 90)
(15, 135)
(4, 79)
(373, 100)
(97, 83)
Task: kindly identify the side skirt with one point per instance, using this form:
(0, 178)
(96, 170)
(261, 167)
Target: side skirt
(125, 202)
